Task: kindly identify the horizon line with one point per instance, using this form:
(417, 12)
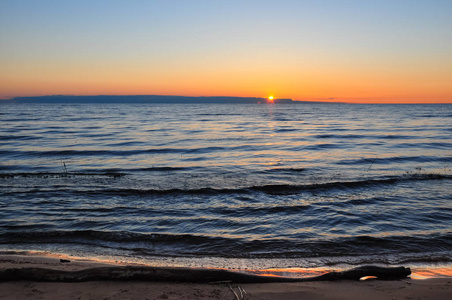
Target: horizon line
(276, 99)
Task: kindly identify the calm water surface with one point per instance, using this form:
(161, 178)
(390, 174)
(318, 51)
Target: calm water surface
(246, 186)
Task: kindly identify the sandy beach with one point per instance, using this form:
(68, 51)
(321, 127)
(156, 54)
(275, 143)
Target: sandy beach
(432, 288)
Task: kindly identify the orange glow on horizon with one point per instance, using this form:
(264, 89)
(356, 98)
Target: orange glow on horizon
(242, 80)
(250, 84)
(247, 81)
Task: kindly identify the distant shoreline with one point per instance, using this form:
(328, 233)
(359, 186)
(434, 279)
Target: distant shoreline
(146, 99)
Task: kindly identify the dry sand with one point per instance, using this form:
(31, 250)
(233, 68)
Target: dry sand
(438, 288)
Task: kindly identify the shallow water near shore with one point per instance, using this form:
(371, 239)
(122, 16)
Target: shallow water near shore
(241, 186)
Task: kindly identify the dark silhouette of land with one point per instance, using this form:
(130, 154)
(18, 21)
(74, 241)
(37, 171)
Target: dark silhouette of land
(144, 99)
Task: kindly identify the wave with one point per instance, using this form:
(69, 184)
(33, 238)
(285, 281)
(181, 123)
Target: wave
(293, 189)
(290, 170)
(366, 136)
(61, 175)
(394, 159)
(54, 153)
(91, 152)
(155, 244)
(18, 137)
(271, 189)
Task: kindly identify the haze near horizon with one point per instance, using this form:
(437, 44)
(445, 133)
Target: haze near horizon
(348, 51)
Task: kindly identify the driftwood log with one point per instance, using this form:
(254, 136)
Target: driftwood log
(188, 275)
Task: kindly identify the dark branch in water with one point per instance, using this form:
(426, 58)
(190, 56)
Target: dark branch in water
(189, 275)
(64, 166)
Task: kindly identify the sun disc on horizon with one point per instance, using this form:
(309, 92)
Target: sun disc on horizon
(270, 98)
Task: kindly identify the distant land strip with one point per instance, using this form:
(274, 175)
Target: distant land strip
(145, 99)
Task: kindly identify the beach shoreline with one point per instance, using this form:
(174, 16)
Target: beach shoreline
(409, 288)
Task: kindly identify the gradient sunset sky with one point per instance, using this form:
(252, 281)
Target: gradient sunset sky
(354, 51)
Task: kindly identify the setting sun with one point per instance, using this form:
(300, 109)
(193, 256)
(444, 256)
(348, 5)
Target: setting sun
(270, 98)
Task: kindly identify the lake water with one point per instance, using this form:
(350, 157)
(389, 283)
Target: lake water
(241, 186)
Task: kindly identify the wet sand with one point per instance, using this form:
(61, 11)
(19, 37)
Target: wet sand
(434, 288)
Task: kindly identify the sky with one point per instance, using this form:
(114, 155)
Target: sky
(362, 51)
